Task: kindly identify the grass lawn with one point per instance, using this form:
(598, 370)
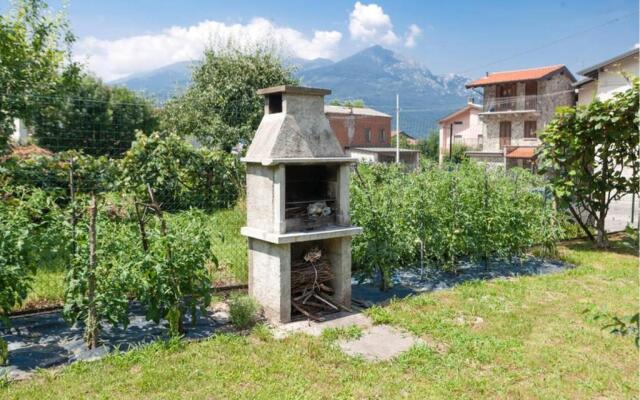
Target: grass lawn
(226, 243)
(529, 337)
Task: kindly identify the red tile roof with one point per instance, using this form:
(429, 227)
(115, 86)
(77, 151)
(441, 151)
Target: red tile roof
(28, 151)
(522, 152)
(516, 76)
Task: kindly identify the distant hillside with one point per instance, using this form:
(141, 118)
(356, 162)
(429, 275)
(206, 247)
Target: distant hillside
(375, 75)
(160, 84)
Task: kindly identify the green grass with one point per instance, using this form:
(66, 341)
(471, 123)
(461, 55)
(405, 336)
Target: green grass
(526, 337)
(227, 245)
(47, 288)
(342, 333)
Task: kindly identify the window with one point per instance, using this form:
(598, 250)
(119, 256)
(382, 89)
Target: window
(367, 135)
(381, 137)
(530, 129)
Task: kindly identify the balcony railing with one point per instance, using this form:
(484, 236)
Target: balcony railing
(516, 103)
(471, 144)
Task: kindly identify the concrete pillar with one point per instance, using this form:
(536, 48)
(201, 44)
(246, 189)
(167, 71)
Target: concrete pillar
(342, 217)
(270, 278)
(339, 253)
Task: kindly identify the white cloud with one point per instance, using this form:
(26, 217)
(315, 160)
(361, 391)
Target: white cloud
(636, 46)
(412, 35)
(112, 59)
(369, 23)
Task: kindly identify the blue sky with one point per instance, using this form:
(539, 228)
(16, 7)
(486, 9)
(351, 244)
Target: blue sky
(119, 37)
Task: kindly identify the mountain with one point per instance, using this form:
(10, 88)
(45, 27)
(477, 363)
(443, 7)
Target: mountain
(374, 75)
(159, 84)
(377, 74)
(162, 83)
(304, 65)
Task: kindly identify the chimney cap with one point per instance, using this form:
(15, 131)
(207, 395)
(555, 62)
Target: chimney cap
(294, 90)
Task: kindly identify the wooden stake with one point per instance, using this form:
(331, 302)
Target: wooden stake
(91, 333)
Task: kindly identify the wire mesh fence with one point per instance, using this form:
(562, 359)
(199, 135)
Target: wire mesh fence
(142, 184)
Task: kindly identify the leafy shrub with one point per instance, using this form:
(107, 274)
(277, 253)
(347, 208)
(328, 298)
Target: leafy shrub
(243, 310)
(173, 276)
(462, 211)
(181, 175)
(378, 205)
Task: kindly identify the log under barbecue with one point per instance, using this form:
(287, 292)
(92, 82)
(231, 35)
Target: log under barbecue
(310, 288)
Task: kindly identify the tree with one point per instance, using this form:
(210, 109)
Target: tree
(181, 175)
(355, 103)
(90, 116)
(429, 147)
(590, 154)
(221, 107)
(30, 60)
(404, 142)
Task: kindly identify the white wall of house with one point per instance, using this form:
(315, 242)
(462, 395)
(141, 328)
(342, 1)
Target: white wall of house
(469, 133)
(21, 132)
(362, 156)
(610, 80)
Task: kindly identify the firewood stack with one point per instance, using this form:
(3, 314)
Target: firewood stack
(310, 294)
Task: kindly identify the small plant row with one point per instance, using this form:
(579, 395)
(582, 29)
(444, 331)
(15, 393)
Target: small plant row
(439, 215)
(106, 220)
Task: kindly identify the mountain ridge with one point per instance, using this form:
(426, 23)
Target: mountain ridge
(375, 75)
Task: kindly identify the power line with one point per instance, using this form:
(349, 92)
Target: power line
(551, 43)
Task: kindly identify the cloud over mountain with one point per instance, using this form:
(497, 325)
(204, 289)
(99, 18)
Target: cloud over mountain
(113, 59)
(369, 23)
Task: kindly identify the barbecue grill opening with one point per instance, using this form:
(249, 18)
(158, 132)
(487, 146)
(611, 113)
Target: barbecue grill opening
(274, 102)
(310, 197)
(311, 276)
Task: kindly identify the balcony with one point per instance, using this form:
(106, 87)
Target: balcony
(516, 104)
(469, 143)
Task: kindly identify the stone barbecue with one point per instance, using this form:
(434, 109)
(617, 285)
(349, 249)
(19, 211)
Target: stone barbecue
(298, 224)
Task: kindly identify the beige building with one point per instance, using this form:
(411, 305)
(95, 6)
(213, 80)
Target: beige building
(516, 106)
(462, 127)
(608, 77)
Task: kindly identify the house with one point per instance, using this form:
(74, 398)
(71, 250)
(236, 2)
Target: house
(359, 126)
(365, 134)
(601, 82)
(516, 106)
(410, 140)
(463, 127)
(606, 78)
(409, 157)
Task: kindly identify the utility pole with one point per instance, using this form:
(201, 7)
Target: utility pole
(397, 129)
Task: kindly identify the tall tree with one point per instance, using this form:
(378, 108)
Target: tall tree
(591, 156)
(221, 107)
(34, 48)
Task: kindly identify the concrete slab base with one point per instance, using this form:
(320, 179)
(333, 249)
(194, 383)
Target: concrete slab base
(380, 342)
(377, 343)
